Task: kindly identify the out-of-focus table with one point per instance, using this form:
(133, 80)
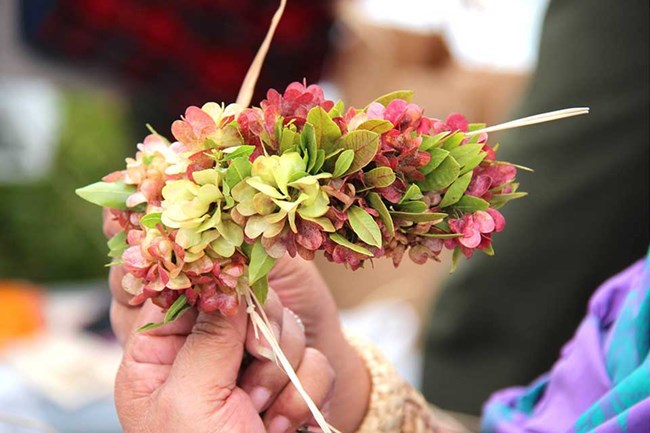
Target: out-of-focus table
(60, 379)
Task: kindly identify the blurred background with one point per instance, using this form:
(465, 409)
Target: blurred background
(80, 78)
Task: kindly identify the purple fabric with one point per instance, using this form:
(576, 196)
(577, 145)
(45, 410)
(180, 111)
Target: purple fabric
(599, 382)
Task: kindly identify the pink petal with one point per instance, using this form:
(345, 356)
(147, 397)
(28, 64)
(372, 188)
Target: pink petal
(479, 185)
(471, 241)
(114, 176)
(134, 237)
(376, 111)
(395, 110)
(182, 131)
(457, 122)
(134, 261)
(483, 222)
(499, 220)
(135, 199)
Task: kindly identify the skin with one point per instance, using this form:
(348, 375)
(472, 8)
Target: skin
(189, 372)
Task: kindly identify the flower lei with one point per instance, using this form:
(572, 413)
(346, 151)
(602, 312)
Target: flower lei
(206, 216)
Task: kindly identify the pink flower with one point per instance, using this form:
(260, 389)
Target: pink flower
(257, 128)
(196, 126)
(454, 122)
(476, 230)
(296, 101)
(401, 152)
(405, 115)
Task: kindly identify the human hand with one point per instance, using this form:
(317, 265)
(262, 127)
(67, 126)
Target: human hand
(188, 375)
(300, 287)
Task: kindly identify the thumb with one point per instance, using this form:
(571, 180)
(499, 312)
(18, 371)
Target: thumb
(211, 357)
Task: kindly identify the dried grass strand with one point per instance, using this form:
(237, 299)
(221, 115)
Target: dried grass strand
(532, 120)
(248, 86)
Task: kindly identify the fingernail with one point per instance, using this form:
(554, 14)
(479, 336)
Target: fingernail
(298, 319)
(260, 397)
(280, 424)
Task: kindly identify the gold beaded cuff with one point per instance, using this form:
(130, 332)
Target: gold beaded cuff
(395, 406)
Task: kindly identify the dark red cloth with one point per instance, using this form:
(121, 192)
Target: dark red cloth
(183, 52)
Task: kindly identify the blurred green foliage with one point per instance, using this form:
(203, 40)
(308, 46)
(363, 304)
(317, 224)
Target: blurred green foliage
(47, 233)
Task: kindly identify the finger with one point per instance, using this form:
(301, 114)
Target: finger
(263, 379)
(115, 276)
(257, 345)
(209, 361)
(148, 356)
(148, 346)
(289, 411)
(110, 224)
(125, 321)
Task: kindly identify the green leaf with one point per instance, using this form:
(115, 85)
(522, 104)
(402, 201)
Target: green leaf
(240, 169)
(456, 190)
(326, 130)
(260, 263)
(176, 309)
(471, 204)
(442, 235)
(150, 325)
(364, 144)
(225, 188)
(472, 163)
(261, 289)
(375, 201)
(240, 151)
(297, 175)
(437, 157)
(413, 207)
(453, 140)
(320, 160)
(466, 152)
(468, 156)
(290, 138)
(476, 126)
(386, 99)
(117, 244)
(498, 200)
(443, 176)
(337, 238)
(333, 153)
(246, 249)
(376, 125)
(364, 226)
(151, 220)
(309, 145)
(455, 259)
(428, 142)
(380, 177)
(412, 193)
(489, 250)
(423, 217)
(443, 225)
(343, 162)
(338, 109)
(107, 194)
